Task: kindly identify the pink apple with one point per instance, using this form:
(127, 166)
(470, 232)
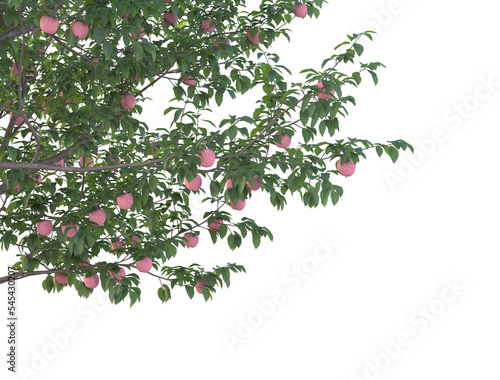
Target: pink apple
(14, 69)
(72, 231)
(207, 157)
(254, 39)
(92, 281)
(322, 94)
(128, 101)
(300, 10)
(85, 265)
(17, 187)
(79, 29)
(49, 24)
(195, 184)
(118, 276)
(65, 100)
(169, 18)
(97, 216)
(347, 169)
(125, 201)
(214, 226)
(192, 240)
(116, 246)
(19, 119)
(285, 141)
(61, 278)
(144, 265)
(86, 161)
(140, 35)
(126, 15)
(134, 239)
(39, 179)
(189, 80)
(60, 162)
(199, 285)
(254, 183)
(113, 160)
(239, 206)
(218, 42)
(44, 227)
(229, 183)
(205, 25)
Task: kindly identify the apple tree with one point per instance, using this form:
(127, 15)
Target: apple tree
(91, 195)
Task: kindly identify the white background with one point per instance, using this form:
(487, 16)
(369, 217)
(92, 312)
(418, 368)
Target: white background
(388, 250)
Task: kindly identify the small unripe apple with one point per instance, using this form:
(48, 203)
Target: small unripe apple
(86, 162)
(116, 246)
(239, 206)
(118, 276)
(169, 18)
(79, 29)
(61, 278)
(300, 10)
(189, 80)
(254, 39)
(125, 201)
(128, 101)
(207, 157)
(192, 240)
(49, 24)
(285, 141)
(19, 119)
(97, 216)
(144, 265)
(205, 25)
(254, 183)
(322, 93)
(44, 227)
(347, 169)
(140, 35)
(91, 282)
(199, 285)
(71, 231)
(195, 184)
(214, 226)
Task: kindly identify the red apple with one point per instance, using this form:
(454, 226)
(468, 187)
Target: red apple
(86, 162)
(14, 69)
(39, 179)
(254, 183)
(218, 42)
(189, 80)
(254, 39)
(61, 278)
(169, 18)
(128, 101)
(214, 226)
(144, 265)
(49, 24)
(65, 100)
(285, 141)
(60, 162)
(97, 216)
(113, 160)
(199, 285)
(239, 206)
(17, 187)
(229, 183)
(322, 93)
(205, 25)
(116, 246)
(19, 119)
(140, 35)
(125, 201)
(300, 10)
(118, 276)
(79, 29)
(71, 231)
(192, 240)
(134, 239)
(92, 281)
(207, 157)
(347, 169)
(44, 227)
(195, 184)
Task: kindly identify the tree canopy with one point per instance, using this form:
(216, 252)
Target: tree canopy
(93, 196)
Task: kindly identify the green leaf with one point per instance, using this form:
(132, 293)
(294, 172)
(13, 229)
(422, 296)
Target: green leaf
(255, 239)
